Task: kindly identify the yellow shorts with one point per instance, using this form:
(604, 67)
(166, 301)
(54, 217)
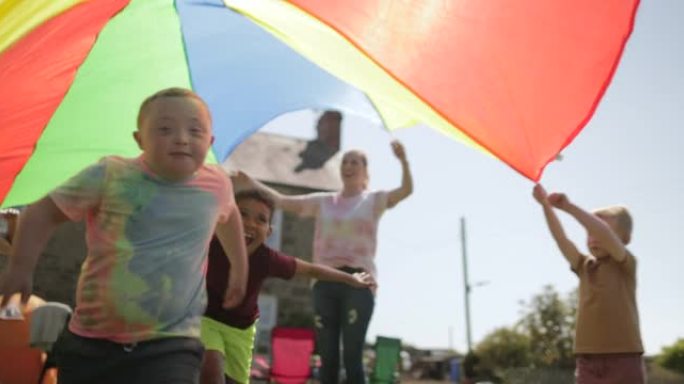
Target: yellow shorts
(235, 344)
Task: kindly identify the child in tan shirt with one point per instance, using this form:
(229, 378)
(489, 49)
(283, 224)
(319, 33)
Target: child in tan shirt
(608, 344)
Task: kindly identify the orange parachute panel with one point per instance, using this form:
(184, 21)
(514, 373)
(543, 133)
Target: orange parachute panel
(521, 78)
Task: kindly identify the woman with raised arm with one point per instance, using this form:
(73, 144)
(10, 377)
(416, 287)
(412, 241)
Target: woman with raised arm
(345, 238)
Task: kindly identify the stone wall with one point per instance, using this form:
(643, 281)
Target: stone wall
(294, 296)
(56, 273)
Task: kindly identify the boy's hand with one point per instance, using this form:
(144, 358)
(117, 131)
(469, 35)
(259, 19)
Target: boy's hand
(364, 280)
(398, 150)
(235, 293)
(539, 194)
(241, 180)
(559, 200)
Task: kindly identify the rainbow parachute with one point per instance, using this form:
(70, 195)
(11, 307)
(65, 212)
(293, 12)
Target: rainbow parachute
(516, 79)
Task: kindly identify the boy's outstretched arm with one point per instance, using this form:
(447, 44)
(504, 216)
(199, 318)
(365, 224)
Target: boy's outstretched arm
(243, 181)
(596, 228)
(232, 238)
(322, 272)
(406, 187)
(35, 227)
(567, 247)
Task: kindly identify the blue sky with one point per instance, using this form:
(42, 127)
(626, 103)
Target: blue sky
(629, 153)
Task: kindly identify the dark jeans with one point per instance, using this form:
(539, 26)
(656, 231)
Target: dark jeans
(84, 360)
(341, 310)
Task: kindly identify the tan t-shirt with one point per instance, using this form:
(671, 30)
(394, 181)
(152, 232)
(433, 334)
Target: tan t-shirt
(607, 315)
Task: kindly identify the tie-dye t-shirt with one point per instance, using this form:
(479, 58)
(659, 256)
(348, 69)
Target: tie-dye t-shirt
(346, 227)
(143, 276)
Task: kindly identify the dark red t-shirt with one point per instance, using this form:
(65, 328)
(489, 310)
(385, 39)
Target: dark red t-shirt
(263, 263)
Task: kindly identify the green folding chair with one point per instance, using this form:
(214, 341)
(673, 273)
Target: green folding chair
(387, 359)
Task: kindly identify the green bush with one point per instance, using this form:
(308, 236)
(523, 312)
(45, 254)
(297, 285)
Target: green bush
(505, 348)
(672, 357)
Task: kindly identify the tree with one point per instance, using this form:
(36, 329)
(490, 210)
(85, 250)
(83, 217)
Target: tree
(475, 369)
(542, 338)
(505, 348)
(672, 357)
(549, 321)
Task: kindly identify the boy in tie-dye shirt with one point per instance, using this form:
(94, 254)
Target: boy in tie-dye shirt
(149, 221)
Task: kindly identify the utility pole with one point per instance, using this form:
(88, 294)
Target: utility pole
(466, 283)
(451, 338)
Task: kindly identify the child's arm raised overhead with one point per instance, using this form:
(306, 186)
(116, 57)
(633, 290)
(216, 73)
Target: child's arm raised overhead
(406, 187)
(35, 227)
(231, 236)
(567, 247)
(596, 228)
(322, 272)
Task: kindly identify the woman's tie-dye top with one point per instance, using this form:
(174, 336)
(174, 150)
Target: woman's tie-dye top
(143, 276)
(346, 227)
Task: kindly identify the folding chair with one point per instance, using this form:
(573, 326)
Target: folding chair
(291, 351)
(19, 362)
(260, 370)
(387, 359)
(47, 323)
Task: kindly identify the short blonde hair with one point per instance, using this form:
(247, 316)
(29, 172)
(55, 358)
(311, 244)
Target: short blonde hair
(169, 92)
(622, 217)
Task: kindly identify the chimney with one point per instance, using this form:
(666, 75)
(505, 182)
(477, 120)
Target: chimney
(326, 145)
(328, 129)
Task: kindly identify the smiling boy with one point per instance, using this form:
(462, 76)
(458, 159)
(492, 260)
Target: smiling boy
(228, 334)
